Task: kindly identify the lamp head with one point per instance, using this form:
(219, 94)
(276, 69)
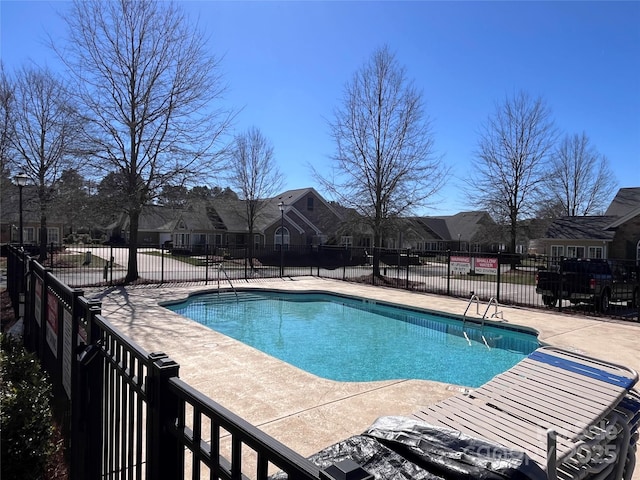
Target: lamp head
(21, 179)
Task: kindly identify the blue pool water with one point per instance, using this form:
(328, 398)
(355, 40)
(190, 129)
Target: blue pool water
(349, 339)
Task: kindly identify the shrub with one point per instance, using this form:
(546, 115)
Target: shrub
(26, 421)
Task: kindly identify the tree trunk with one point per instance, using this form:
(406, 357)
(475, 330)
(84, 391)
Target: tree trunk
(376, 255)
(43, 238)
(132, 266)
(514, 236)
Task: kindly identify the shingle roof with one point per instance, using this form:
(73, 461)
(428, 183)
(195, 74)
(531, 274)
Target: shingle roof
(155, 217)
(581, 228)
(233, 215)
(448, 227)
(625, 201)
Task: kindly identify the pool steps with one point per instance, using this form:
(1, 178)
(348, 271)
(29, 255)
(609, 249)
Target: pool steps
(496, 314)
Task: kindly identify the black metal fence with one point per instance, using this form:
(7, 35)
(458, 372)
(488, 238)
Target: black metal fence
(509, 279)
(125, 412)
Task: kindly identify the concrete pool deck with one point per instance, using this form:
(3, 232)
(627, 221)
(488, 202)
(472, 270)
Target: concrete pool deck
(308, 413)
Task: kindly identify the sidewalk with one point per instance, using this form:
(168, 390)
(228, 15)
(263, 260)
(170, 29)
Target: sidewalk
(308, 413)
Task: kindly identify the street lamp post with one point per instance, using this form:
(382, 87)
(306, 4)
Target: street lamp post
(281, 207)
(21, 181)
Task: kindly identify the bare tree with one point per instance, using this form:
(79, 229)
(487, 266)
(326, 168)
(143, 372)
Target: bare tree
(385, 160)
(255, 175)
(580, 178)
(45, 137)
(148, 85)
(513, 150)
(6, 104)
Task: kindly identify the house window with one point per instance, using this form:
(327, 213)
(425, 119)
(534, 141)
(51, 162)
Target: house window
(557, 251)
(346, 241)
(596, 252)
(217, 239)
(310, 203)
(257, 240)
(281, 238)
(638, 253)
(53, 235)
(575, 252)
(29, 235)
(181, 240)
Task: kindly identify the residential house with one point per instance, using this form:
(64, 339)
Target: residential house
(189, 228)
(615, 235)
(10, 217)
(304, 218)
(465, 231)
(296, 217)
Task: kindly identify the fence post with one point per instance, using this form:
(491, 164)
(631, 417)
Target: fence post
(111, 262)
(28, 320)
(78, 429)
(246, 262)
(92, 375)
(498, 277)
(561, 269)
(206, 263)
(407, 282)
(165, 456)
(162, 265)
(344, 267)
(449, 272)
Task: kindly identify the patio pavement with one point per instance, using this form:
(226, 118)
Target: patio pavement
(308, 413)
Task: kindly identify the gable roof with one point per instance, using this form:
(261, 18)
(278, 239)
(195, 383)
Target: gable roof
(292, 196)
(448, 227)
(581, 228)
(155, 217)
(625, 201)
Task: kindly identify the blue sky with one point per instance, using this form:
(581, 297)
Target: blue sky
(286, 64)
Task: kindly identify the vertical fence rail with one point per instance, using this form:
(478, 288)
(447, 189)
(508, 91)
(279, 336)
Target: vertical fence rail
(510, 279)
(123, 409)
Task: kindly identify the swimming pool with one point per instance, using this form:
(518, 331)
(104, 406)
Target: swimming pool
(349, 339)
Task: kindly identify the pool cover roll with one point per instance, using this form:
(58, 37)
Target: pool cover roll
(396, 447)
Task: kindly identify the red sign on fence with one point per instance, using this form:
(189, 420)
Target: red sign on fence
(486, 265)
(460, 265)
(52, 323)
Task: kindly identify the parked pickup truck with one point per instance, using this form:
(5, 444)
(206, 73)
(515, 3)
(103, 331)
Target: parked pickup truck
(592, 281)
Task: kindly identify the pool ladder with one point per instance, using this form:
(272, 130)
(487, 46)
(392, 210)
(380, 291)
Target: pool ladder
(221, 269)
(492, 301)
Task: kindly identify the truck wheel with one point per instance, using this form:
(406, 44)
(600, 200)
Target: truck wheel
(549, 300)
(603, 305)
